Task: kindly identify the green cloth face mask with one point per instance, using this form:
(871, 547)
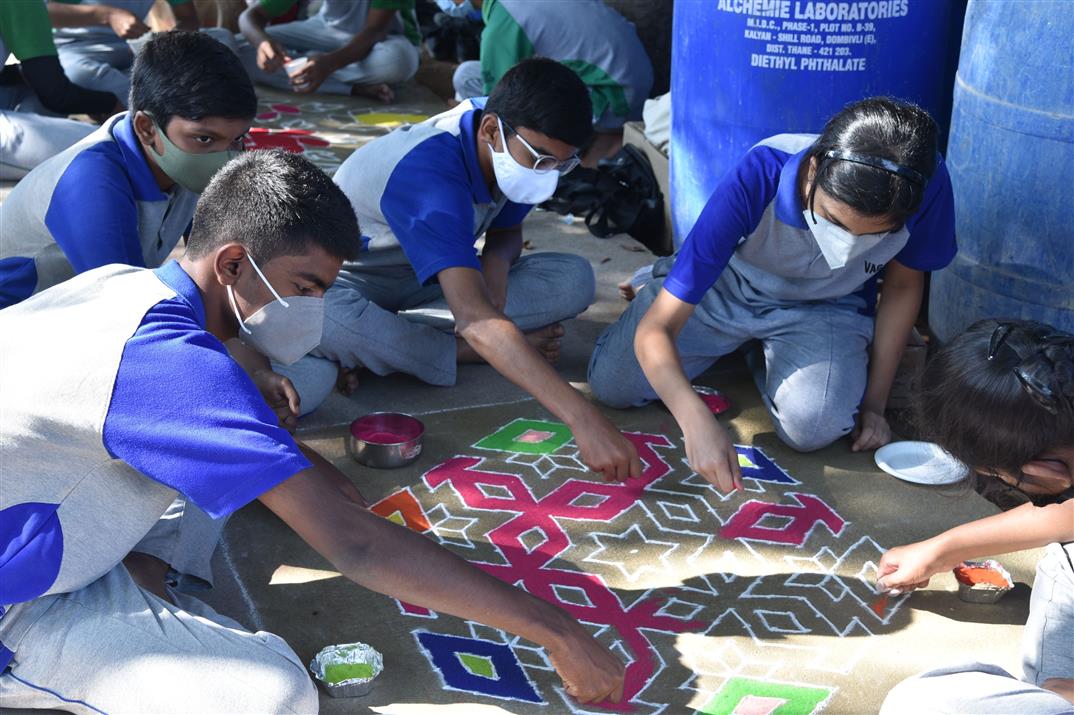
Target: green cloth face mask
(191, 171)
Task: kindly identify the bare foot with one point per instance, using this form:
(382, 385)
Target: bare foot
(380, 92)
(626, 289)
(148, 572)
(347, 380)
(544, 340)
(547, 341)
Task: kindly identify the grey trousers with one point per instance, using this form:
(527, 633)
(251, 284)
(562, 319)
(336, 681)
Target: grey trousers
(185, 538)
(391, 61)
(27, 136)
(104, 63)
(112, 647)
(811, 379)
(381, 318)
(467, 80)
(1047, 652)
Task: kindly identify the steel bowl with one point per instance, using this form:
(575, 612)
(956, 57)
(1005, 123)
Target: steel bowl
(385, 440)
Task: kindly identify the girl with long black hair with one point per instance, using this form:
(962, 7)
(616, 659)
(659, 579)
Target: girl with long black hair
(1000, 397)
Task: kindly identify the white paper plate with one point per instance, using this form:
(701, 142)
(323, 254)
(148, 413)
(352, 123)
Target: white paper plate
(920, 463)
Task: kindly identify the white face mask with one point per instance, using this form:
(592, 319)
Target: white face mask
(464, 9)
(837, 245)
(519, 183)
(282, 330)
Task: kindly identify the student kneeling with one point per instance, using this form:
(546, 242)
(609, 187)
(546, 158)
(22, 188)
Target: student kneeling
(93, 455)
(787, 251)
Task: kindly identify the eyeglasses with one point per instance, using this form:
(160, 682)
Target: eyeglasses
(543, 163)
(1037, 371)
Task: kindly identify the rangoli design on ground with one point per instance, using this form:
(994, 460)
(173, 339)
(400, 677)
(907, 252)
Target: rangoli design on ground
(524, 508)
(324, 131)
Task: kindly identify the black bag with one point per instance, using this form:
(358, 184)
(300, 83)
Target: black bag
(453, 39)
(620, 196)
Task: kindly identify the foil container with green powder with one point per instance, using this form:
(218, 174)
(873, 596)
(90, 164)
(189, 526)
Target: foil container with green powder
(347, 670)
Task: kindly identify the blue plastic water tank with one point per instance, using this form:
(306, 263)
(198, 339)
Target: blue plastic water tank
(1011, 157)
(743, 70)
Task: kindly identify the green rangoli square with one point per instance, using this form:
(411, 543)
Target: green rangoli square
(477, 664)
(797, 699)
(527, 437)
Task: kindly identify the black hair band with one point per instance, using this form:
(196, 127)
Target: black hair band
(911, 175)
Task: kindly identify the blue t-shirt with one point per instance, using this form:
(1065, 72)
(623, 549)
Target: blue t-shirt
(93, 204)
(753, 225)
(177, 410)
(185, 414)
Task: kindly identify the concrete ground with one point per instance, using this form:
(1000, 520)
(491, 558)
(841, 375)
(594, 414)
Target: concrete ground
(829, 640)
(794, 615)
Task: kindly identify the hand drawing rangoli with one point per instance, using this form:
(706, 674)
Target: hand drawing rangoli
(715, 602)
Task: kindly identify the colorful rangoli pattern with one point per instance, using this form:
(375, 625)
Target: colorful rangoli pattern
(326, 132)
(770, 567)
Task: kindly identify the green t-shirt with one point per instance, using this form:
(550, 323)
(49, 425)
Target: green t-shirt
(25, 30)
(592, 39)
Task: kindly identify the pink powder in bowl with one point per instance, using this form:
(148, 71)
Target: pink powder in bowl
(387, 428)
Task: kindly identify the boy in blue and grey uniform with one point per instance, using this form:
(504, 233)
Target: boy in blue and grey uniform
(359, 47)
(93, 37)
(127, 193)
(157, 408)
(788, 251)
(424, 195)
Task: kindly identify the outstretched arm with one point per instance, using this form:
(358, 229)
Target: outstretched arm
(122, 21)
(708, 446)
(907, 567)
(499, 341)
(395, 561)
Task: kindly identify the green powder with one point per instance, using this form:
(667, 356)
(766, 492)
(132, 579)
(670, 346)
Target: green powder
(338, 672)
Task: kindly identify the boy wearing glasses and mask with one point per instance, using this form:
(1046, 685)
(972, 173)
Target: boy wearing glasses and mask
(1000, 397)
(93, 456)
(421, 299)
(126, 193)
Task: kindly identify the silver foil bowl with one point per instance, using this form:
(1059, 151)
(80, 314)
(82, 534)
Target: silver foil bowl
(385, 440)
(983, 592)
(344, 654)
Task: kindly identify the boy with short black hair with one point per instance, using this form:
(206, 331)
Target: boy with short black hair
(126, 194)
(157, 408)
(424, 195)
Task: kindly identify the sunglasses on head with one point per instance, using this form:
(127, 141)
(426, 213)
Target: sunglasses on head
(1037, 370)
